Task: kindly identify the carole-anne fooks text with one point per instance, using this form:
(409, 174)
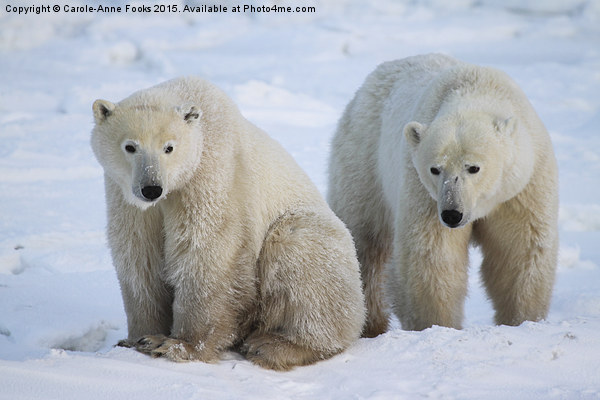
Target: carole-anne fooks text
(155, 8)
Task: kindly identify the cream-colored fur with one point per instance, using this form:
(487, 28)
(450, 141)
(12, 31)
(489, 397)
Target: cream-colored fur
(431, 155)
(219, 239)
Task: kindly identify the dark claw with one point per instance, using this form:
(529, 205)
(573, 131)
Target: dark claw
(124, 343)
(144, 341)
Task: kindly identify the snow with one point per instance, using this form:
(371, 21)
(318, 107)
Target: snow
(292, 74)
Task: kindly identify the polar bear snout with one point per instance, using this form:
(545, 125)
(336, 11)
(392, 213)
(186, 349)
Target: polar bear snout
(151, 193)
(453, 212)
(148, 182)
(451, 218)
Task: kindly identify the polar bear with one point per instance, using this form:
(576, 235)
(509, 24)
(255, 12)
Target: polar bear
(219, 239)
(433, 154)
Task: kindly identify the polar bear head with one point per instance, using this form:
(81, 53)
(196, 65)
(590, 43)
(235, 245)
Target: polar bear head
(469, 162)
(148, 149)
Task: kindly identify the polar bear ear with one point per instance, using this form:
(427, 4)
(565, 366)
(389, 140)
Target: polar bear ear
(102, 110)
(189, 113)
(413, 131)
(506, 126)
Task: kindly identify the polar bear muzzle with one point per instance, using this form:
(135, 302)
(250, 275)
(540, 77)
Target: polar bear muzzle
(148, 184)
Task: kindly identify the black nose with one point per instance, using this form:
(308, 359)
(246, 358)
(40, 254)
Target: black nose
(451, 218)
(151, 192)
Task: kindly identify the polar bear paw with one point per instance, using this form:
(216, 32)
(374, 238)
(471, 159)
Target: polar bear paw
(275, 352)
(170, 348)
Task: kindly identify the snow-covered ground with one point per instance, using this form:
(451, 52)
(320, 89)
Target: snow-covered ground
(291, 74)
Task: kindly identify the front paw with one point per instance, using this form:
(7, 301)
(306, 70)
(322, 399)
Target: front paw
(149, 344)
(172, 349)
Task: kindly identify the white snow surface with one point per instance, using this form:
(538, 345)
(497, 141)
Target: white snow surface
(291, 74)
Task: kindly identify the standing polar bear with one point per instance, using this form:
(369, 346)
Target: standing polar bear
(219, 239)
(430, 155)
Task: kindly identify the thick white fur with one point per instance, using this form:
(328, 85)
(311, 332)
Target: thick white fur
(433, 111)
(239, 250)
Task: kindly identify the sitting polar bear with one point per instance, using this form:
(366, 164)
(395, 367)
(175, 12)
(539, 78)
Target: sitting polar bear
(430, 155)
(218, 237)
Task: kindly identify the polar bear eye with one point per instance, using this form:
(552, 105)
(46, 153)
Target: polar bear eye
(130, 148)
(473, 169)
(434, 170)
(168, 149)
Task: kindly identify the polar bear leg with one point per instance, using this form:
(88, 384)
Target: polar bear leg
(136, 240)
(518, 268)
(208, 316)
(311, 301)
(373, 252)
(429, 273)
